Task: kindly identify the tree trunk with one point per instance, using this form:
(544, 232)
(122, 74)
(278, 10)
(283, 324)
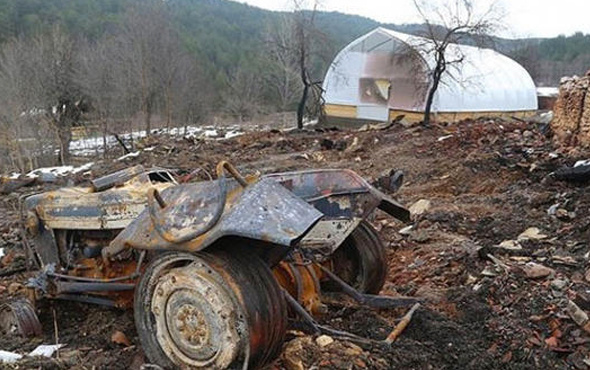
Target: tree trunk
(436, 76)
(148, 117)
(64, 133)
(105, 131)
(168, 108)
(301, 106)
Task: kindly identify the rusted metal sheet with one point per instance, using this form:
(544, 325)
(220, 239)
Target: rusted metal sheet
(118, 178)
(263, 211)
(327, 235)
(80, 209)
(339, 193)
(112, 203)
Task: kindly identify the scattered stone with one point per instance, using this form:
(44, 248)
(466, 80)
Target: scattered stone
(419, 236)
(420, 207)
(119, 337)
(431, 293)
(406, 230)
(578, 315)
(324, 340)
(553, 209)
(559, 284)
(532, 233)
(14, 288)
(355, 146)
(327, 144)
(534, 270)
(512, 245)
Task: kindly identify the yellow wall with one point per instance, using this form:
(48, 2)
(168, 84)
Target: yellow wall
(350, 112)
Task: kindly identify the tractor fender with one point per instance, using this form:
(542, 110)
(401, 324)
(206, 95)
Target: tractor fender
(262, 211)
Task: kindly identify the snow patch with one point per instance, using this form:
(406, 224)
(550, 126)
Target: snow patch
(211, 133)
(45, 350)
(59, 171)
(130, 155)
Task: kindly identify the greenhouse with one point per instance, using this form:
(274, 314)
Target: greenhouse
(385, 74)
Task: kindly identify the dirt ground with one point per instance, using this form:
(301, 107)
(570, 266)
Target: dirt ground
(486, 181)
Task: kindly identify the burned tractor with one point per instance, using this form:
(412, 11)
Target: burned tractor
(214, 270)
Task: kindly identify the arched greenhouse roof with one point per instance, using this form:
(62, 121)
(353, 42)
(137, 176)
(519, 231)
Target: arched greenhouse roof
(390, 69)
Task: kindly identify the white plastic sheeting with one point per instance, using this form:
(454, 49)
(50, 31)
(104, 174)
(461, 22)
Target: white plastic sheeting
(389, 69)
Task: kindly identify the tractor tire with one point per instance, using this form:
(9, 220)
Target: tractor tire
(209, 310)
(360, 261)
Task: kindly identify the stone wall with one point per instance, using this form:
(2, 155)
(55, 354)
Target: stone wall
(571, 120)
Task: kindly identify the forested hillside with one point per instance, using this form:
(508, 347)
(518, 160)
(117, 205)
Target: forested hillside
(111, 62)
(224, 33)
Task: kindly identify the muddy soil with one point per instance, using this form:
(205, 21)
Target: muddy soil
(487, 182)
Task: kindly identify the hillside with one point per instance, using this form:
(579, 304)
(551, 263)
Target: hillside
(225, 33)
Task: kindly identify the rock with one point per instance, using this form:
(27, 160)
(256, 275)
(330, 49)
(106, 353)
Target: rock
(419, 236)
(324, 340)
(532, 233)
(14, 288)
(292, 355)
(527, 134)
(553, 209)
(577, 314)
(353, 350)
(587, 276)
(420, 207)
(355, 146)
(327, 144)
(512, 245)
(340, 145)
(119, 337)
(534, 270)
(559, 284)
(430, 293)
(408, 230)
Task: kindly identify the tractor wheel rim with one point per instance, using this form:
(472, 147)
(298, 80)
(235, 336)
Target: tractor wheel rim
(196, 317)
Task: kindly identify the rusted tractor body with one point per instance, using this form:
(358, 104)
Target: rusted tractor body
(213, 269)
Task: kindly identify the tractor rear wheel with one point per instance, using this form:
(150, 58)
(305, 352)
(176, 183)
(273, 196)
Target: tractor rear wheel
(360, 261)
(209, 311)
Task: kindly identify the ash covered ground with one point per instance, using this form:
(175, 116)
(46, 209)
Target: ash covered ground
(486, 190)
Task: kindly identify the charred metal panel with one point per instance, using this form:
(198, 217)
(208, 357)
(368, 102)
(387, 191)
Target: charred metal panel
(339, 193)
(327, 235)
(80, 209)
(118, 178)
(46, 246)
(263, 211)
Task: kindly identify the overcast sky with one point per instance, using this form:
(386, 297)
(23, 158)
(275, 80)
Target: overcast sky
(525, 18)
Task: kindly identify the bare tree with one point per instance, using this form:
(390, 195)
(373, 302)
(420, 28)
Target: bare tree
(282, 75)
(453, 22)
(56, 91)
(244, 92)
(98, 75)
(14, 96)
(310, 45)
(191, 93)
(142, 52)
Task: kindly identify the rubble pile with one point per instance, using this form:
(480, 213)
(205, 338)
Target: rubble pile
(498, 248)
(571, 122)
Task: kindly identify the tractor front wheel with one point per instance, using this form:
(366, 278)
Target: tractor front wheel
(209, 311)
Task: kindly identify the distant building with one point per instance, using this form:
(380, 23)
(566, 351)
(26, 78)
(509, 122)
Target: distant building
(384, 74)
